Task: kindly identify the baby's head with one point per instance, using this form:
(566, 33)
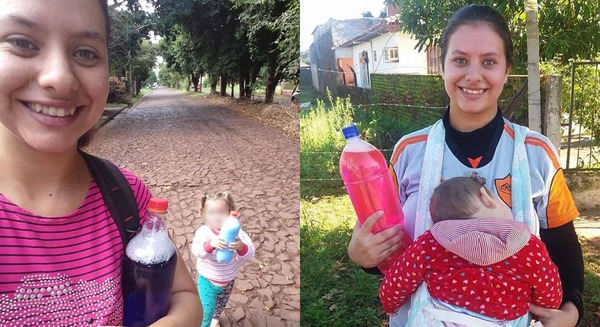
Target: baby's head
(214, 209)
(464, 198)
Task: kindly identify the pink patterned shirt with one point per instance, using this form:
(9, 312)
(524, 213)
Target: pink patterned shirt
(63, 271)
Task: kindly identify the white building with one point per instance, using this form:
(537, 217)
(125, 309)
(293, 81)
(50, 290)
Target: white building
(382, 49)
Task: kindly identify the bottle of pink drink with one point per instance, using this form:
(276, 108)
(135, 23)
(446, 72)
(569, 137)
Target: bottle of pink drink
(371, 188)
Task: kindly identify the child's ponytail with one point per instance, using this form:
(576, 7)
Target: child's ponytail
(225, 196)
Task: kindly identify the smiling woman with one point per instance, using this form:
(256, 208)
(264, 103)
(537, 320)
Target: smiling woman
(62, 253)
(519, 166)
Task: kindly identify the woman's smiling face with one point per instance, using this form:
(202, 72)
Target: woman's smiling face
(475, 69)
(53, 71)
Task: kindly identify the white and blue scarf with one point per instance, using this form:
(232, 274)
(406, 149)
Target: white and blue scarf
(431, 176)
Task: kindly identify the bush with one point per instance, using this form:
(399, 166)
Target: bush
(117, 91)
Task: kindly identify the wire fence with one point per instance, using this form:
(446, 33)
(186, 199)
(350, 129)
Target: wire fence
(396, 105)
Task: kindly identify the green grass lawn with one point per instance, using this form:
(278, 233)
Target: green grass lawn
(335, 291)
(591, 294)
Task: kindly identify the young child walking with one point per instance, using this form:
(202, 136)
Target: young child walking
(475, 260)
(215, 280)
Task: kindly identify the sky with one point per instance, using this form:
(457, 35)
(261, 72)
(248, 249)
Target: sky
(317, 12)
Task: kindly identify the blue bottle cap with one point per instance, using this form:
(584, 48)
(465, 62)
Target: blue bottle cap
(350, 131)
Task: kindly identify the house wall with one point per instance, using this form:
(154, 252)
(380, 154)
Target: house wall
(410, 60)
(322, 58)
(343, 53)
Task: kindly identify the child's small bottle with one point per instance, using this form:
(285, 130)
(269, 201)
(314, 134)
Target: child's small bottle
(371, 188)
(229, 233)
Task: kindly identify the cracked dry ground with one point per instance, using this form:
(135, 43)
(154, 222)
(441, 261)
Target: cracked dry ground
(183, 146)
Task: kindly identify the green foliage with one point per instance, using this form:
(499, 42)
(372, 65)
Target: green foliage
(271, 28)
(568, 29)
(130, 26)
(200, 36)
(367, 14)
(288, 25)
(321, 142)
(152, 78)
(144, 62)
(171, 78)
(232, 39)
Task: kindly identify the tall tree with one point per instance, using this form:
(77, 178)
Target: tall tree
(272, 30)
(183, 55)
(130, 26)
(236, 38)
(143, 64)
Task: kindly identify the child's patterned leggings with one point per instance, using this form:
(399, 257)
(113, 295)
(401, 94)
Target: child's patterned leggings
(214, 299)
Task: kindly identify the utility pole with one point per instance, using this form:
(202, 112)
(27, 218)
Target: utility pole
(534, 96)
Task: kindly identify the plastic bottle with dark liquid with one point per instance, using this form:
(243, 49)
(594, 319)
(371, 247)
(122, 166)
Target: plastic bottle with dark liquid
(151, 258)
(371, 188)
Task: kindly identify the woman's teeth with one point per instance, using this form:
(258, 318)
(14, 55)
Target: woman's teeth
(52, 111)
(475, 92)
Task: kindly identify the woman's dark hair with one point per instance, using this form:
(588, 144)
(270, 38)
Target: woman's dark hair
(473, 14)
(87, 137)
(104, 6)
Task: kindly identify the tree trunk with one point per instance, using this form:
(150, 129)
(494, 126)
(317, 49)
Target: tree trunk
(533, 66)
(195, 80)
(242, 87)
(200, 83)
(213, 85)
(251, 79)
(223, 85)
(247, 87)
(272, 81)
(232, 87)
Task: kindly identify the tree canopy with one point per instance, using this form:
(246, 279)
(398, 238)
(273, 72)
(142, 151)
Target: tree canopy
(568, 29)
(231, 40)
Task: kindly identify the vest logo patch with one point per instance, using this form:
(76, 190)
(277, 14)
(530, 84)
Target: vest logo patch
(504, 189)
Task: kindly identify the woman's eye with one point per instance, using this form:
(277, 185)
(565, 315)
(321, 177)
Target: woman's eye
(86, 55)
(23, 44)
(460, 61)
(489, 62)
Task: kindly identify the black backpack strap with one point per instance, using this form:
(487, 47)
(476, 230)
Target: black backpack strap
(117, 195)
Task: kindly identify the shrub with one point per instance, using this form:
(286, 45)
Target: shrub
(117, 90)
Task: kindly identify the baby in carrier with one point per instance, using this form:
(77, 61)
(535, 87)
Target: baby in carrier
(481, 267)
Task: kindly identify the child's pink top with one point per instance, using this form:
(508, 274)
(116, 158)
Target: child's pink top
(66, 270)
(207, 264)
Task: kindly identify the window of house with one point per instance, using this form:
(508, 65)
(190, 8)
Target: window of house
(391, 55)
(374, 55)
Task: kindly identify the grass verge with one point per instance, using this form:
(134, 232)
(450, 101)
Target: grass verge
(591, 294)
(335, 291)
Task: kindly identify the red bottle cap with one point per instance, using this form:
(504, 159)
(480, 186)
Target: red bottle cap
(234, 214)
(158, 205)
